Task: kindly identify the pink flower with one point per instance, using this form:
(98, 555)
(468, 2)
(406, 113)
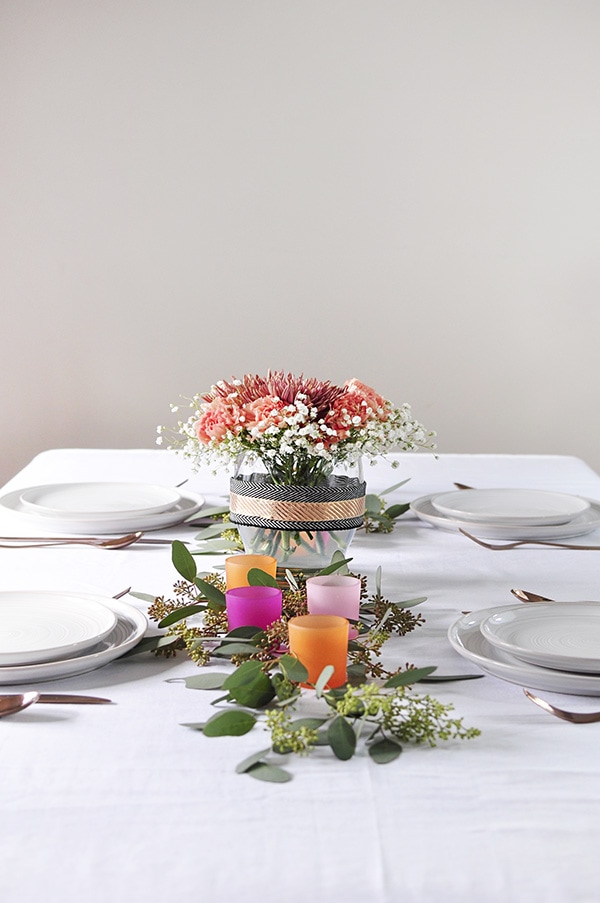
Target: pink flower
(262, 413)
(365, 393)
(217, 419)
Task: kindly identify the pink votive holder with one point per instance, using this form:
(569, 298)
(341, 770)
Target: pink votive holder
(334, 594)
(253, 606)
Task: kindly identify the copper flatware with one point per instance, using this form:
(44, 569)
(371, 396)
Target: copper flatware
(526, 596)
(37, 542)
(525, 542)
(10, 703)
(117, 542)
(462, 486)
(573, 717)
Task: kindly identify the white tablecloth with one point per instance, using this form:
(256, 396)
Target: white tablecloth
(123, 803)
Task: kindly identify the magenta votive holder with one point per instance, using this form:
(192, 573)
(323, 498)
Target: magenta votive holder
(253, 606)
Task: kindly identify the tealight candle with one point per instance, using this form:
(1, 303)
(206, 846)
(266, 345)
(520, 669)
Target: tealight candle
(318, 641)
(237, 567)
(252, 606)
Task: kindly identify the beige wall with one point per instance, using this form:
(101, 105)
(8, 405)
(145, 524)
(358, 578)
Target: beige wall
(402, 191)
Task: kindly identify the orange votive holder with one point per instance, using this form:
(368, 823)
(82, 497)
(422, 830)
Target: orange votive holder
(318, 641)
(237, 567)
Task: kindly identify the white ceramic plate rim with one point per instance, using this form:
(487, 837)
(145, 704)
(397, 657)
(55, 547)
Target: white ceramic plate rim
(188, 505)
(40, 627)
(466, 638)
(523, 507)
(510, 630)
(586, 522)
(130, 628)
(117, 499)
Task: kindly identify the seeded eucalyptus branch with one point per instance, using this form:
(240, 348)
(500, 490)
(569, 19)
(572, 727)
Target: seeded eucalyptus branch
(380, 717)
(267, 685)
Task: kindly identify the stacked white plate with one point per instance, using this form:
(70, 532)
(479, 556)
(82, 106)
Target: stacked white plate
(546, 646)
(48, 635)
(101, 507)
(510, 513)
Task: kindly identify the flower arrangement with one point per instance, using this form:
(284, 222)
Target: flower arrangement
(298, 428)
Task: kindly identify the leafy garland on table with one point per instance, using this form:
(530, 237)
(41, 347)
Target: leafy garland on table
(267, 683)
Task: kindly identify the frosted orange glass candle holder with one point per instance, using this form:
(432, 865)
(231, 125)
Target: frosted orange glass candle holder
(318, 641)
(253, 606)
(237, 567)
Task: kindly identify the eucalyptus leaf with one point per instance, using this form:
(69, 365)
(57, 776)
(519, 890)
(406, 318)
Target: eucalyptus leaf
(216, 547)
(230, 723)
(246, 673)
(293, 668)
(254, 759)
(409, 677)
(444, 678)
(258, 577)
(336, 565)
(357, 673)
(145, 597)
(384, 751)
(211, 592)
(342, 738)
(250, 686)
(372, 504)
(211, 531)
(312, 723)
(322, 679)
(183, 561)
(194, 725)
(395, 511)
(396, 486)
(214, 511)
(410, 603)
(226, 650)
(180, 614)
(151, 644)
(212, 680)
(272, 773)
(244, 632)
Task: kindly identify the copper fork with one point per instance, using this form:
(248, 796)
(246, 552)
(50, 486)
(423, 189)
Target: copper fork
(573, 717)
(523, 542)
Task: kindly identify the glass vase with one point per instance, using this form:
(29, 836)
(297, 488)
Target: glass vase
(301, 526)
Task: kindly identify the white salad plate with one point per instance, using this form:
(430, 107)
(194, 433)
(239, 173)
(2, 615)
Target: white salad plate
(129, 629)
(586, 522)
(40, 626)
(466, 638)
(547, 634)
(74, 500)
(520, 507)
(187, 506)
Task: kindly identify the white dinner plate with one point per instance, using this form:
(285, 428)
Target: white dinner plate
(187, 506)
(467, 639)
(41, 627)
(128, 631)
(585, 522)
(520, 507)
(549, 634)
(101, 499)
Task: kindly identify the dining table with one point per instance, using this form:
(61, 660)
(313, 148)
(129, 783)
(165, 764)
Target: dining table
(124, 802)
